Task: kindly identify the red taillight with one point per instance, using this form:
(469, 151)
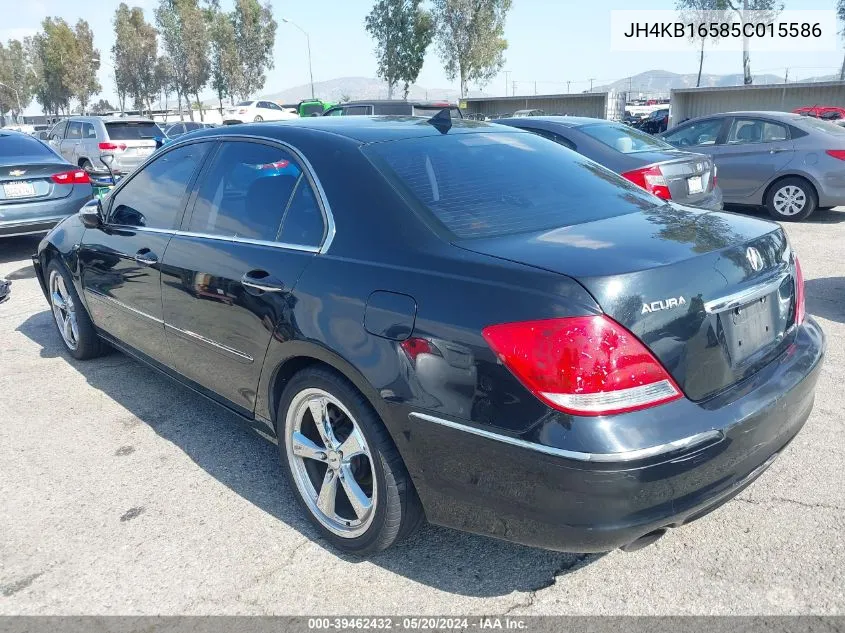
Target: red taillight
(836, 153)
(415, 346)
(112, 147)
(582, 365)
(75, 177)
(651, 179)
(800, 307)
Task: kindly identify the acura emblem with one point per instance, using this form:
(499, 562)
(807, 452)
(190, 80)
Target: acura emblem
(754, 258)
(17, 172)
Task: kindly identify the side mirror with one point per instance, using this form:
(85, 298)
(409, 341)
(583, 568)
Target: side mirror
(91, 214)
(43, 136)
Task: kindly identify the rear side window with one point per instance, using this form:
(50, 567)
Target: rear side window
(489, 184)
(155, 196)
(247, 192)
(624, 139)
(823, 126)
(88, 131)
(362, 110)
(133, 131)
(744, 131)
(16, 146)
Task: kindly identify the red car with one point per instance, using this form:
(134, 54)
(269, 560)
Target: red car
(828, 113)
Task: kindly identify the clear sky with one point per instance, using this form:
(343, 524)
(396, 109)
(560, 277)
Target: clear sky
(550, 42)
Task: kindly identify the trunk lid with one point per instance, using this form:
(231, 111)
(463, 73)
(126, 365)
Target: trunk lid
(30, 182)
(711, 294)
(688, 176)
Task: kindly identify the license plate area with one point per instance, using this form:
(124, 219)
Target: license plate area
(695, 184)
(18, 190)
(751, 328)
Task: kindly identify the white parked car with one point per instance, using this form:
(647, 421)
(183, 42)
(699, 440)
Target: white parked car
(247, 111)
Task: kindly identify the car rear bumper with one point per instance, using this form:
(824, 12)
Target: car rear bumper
(39, 217)
(711, 202)
(563, 498)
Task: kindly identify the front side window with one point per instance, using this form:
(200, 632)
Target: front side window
(155, 196)
(58, 130)
(698, 133)
(247, 192)
(74, 131)
(362, 110)
(745, 131)
(490, 184)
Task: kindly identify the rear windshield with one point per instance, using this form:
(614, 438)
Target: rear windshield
(624, 139)
(824, 126)
(133, 131)
(489, 184)
(310, 108)
(430, 111)
(19, 145)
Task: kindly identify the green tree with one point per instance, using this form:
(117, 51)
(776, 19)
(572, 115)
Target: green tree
(102, 106)
(16, 77)
(470, 38)
(255, 36)
(700, 12)
(82, 74)
(54, 52)
(135, 54)
(225, 65)
(768, 11)
(402, 31)
(169, 22)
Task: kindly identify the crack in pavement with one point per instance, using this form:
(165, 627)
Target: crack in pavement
(573, 564)
(803, 504)
(19, 585)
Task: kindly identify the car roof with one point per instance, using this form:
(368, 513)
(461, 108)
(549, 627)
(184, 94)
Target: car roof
(366, 129)
(431, 104)
(566, 121)
(111, 119)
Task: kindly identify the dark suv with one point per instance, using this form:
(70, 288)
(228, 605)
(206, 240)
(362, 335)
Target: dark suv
(394, 107)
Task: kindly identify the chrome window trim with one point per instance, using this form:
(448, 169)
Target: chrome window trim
(120, 304)
(241, 356)
(219, 238)
(627, 456)
(743, 297)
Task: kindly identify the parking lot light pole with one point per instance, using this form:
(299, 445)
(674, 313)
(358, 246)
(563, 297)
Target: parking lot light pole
(308, 43)
(18, 97)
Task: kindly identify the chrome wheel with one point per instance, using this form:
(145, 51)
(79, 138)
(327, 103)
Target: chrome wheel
(331, 462)
(64, 310)
(789, 200)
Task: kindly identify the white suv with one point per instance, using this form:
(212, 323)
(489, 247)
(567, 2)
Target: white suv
(247, 111)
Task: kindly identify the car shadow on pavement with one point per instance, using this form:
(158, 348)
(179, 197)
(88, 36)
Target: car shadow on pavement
(13, 249)
(227, 450)
(821, 216)
(826, 298)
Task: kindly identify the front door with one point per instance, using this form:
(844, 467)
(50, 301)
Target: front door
(72, 138)
(121, 260)
(754, 151)
(228, 277)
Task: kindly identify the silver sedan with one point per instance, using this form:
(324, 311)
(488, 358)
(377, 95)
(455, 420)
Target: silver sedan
(789, 163)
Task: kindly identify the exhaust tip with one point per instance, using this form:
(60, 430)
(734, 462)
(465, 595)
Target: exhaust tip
(644, 541)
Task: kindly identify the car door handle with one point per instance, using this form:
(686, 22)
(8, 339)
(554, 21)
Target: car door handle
(777, 150)
(146, 257)
(261, 281)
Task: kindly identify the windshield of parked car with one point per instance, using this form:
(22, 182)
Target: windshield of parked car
(624, 139)
(21, 145)
(490, 184)
(821, 125)
(133, 130)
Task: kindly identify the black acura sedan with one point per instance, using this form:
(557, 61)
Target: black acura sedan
(453, 321)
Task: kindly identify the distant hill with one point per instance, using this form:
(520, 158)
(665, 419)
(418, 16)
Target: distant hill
(355, 88)
(663, 81)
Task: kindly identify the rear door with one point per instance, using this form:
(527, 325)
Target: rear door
(73, 137)
(135, 141)
(121, 261)
(254, 224)
(754, 151)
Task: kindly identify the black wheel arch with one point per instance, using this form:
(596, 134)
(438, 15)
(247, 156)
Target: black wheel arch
(814, 190)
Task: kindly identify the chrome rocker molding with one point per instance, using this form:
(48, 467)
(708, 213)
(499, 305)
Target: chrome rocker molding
(708, 437)
(121, 305)
(746, 296)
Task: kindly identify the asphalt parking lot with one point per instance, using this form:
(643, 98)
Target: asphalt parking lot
(124, 493)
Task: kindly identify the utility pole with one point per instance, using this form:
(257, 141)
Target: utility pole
(535, 87)
(592, 79)
(567, 86)
(507, 72)
(786, 77)
(513, 93)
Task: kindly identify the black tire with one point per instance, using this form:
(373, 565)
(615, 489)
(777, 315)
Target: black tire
(88, 166)
(397, 511)
(258, 117)
(787, 187)
(88, 344)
